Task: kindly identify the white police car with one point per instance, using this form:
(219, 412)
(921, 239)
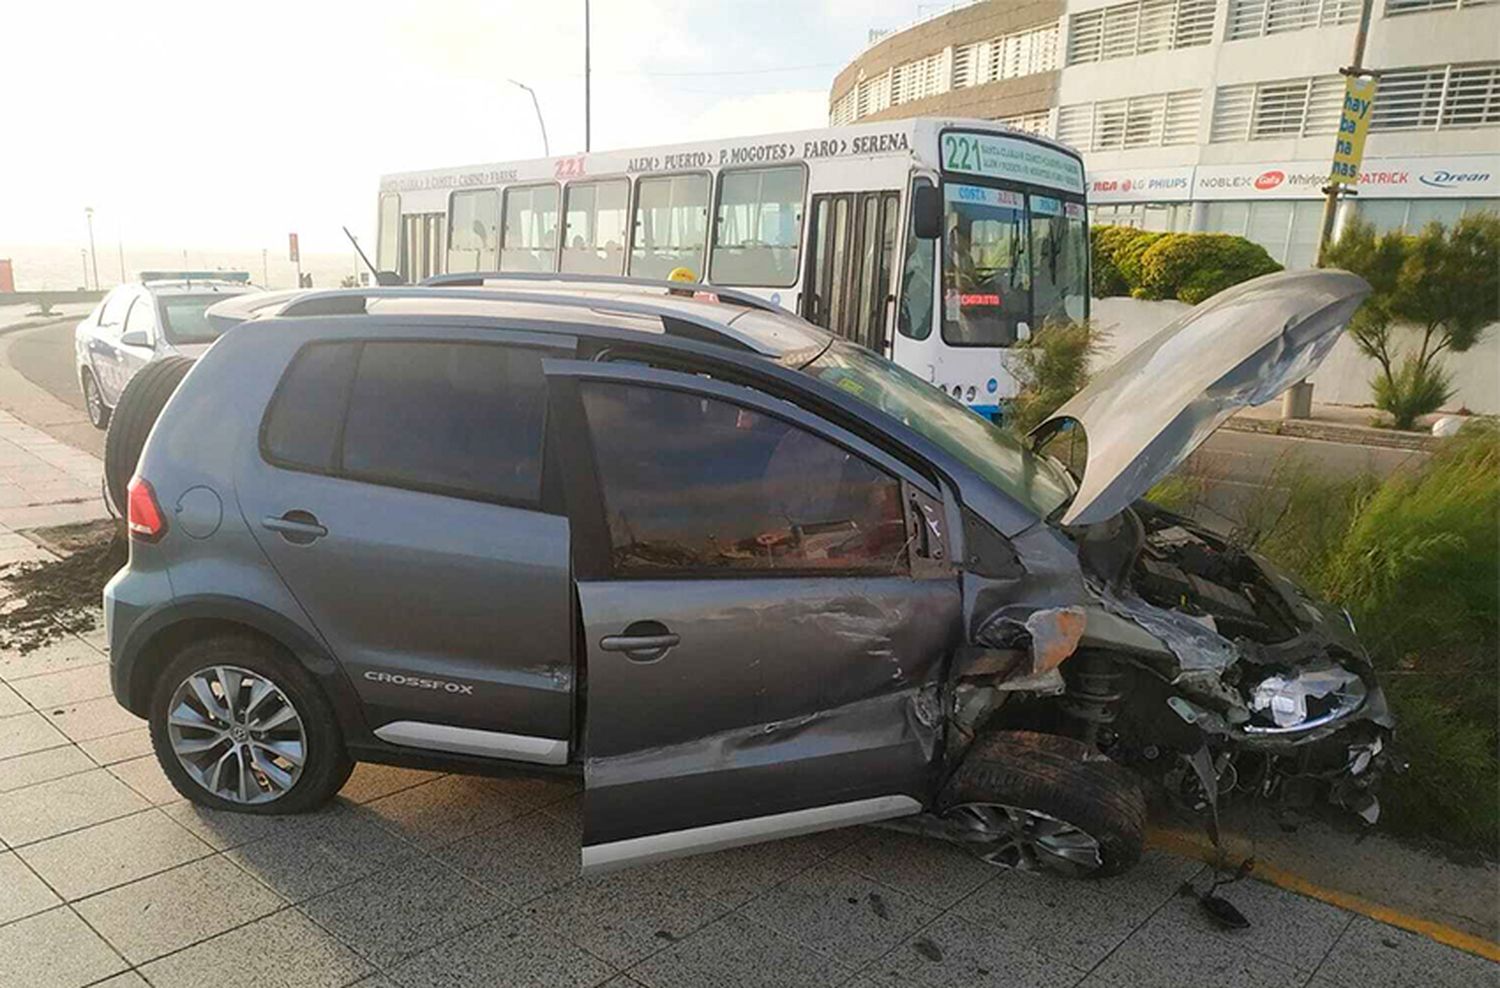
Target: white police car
(158, 316)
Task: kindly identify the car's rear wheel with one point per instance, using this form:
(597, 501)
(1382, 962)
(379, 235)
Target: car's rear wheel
(1041, 802)
(238, 724)
(135, 413)
(93, 402)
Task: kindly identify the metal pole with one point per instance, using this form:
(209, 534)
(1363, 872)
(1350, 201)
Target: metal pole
(1331, 190)
(546, 148)
(122, 258)
(83, 257)
(586, 78)
(265, 278)
(88, 212)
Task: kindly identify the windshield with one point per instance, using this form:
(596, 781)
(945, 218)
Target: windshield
(979, 444)
(1059, 260)
(986, 274)
(183, 320)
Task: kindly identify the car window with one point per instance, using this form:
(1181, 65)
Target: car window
(458, 418)
(185, 321)
(695, 485)
(142, 318)
(302, 427)
(112, 315)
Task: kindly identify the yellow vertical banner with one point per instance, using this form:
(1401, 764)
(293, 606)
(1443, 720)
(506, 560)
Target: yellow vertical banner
(1354, 126)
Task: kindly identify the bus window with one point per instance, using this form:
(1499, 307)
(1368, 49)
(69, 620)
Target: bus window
(914, 315)
(594, 227)
(530, 237)
(759, 227)
(1059, 260)
(388, 237)
(471, 230)
(671, 226)
(986, 273)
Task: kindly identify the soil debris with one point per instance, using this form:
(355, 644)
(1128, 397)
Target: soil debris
(42, 602)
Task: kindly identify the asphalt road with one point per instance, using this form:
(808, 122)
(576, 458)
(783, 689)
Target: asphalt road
(1231, 465)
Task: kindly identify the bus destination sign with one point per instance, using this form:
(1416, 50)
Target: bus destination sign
(1013, 158)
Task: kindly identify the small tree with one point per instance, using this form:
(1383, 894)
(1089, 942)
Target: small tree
(1050, 367)
(1445, 283)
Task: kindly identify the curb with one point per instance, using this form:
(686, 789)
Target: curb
(1350, 435)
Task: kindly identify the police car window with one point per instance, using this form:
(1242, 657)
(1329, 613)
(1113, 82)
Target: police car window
(141, 318)
(112, 315)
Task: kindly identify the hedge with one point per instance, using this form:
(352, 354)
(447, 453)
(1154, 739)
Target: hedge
(1186, 266)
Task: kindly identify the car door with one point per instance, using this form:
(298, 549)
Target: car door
(398, 492)
(760, 659)
(103, 343)
(136, 344)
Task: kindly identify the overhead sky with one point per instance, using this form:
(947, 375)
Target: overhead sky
(185, 122)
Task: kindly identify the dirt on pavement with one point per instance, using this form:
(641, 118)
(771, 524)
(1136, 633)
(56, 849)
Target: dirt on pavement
(42, 602)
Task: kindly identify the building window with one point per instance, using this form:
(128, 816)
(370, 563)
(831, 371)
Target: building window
(1438, 96)
(1140, 27)
(1287, 230)
(1152, 120)
(1412, 215)
(1395, 8)
(1255, 18)
(1254, 111)
(1161, 217)
(1032, 123)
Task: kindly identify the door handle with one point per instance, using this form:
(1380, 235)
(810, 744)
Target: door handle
(297, 527)
(642, 641)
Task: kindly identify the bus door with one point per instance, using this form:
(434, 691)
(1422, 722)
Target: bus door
(423, 244)
(848, 279)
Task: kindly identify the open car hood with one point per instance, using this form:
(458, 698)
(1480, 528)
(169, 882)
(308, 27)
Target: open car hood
(1144, 414)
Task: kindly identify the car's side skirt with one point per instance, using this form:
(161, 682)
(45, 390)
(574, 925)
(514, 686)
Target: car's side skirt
(471, 741)
(600, 858)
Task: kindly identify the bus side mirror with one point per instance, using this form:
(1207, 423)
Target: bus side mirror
(926, 212)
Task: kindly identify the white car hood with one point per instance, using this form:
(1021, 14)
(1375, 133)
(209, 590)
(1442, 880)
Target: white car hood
(1144, 414)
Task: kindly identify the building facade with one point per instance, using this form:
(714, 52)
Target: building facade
(1217, 115)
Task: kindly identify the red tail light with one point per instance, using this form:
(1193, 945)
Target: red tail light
(143, 514)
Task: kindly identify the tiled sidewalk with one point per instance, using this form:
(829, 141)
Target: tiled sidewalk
(43, 483)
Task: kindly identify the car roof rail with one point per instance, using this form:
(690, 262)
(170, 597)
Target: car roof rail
(352, 301)
(477, 279)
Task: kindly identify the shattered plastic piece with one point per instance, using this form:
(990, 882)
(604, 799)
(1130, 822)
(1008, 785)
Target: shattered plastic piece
(1055, 633)
(1286, 697)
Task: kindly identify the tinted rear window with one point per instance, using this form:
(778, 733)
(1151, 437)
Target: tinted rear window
(302, 429)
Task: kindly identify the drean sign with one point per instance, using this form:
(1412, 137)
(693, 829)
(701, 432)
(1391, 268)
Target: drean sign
(1013, 158)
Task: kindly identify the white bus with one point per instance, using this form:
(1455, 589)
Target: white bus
(939, 243)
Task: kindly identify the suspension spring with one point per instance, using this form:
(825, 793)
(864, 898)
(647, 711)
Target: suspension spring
(1093, 697)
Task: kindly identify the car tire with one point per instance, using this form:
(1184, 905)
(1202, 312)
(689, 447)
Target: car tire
(1091, 810)
(93, 401)
(264, 759)
(135, 413)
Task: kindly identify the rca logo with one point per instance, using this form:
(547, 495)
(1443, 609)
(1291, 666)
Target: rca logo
(1269, 180)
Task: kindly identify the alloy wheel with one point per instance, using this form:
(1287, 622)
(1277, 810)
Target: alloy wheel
(92, 400)
(237, 734)
(1026, 840)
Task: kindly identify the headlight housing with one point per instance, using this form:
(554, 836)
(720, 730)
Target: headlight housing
(1310, 697)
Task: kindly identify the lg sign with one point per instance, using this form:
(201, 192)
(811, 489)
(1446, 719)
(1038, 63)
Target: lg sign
(1269, 180)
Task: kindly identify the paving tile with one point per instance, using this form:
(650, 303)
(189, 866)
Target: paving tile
(11, 702)
(931, 870)
(1374, 955)
(737, 952)
(456, 806)
(370, 781)
(109, 854)
(285, 950)
(169, 911)
(841, 913)
(69, 653)
(1164, 954)
(70, 803)
(145, 776)
(85, 719)
(511, 951)
(127, 979)
(42, 766)
(626, 915)
(21, 734)
(222, 829)
(394, 914)
(21, 892)
(1076, 921)
(303, 862)
(118, 747)
(522, 859)
(738, 874)
(67, 686)
(1283, 925)
(54, 949)
(953, 951)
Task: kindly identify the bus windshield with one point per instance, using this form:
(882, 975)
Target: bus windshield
(997, 456)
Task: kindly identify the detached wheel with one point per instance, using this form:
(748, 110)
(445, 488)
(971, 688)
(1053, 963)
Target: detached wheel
(237, 724)
(135, 413)
(1041, 802)
(93, 402)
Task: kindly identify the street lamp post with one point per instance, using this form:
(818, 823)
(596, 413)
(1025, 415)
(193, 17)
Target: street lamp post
(587, 87)
(88, 212)
(546, 148)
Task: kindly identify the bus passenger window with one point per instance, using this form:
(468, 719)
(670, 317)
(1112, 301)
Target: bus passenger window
(594, 227)
(530, 237)
(914, 316)
(759, 227)
(986, 270)
(1059, 260)
(471, 230)
(671, 226)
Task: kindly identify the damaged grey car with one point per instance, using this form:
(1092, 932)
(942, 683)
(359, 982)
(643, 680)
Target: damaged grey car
(747, 579)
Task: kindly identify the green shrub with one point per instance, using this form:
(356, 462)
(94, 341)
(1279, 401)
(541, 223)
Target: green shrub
(1050, 367)
(1195, 266)
(1105, 275)
(1128, 256)
(1413, 390)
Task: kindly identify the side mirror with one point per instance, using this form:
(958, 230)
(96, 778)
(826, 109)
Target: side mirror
(135, 337)
(926, 212)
